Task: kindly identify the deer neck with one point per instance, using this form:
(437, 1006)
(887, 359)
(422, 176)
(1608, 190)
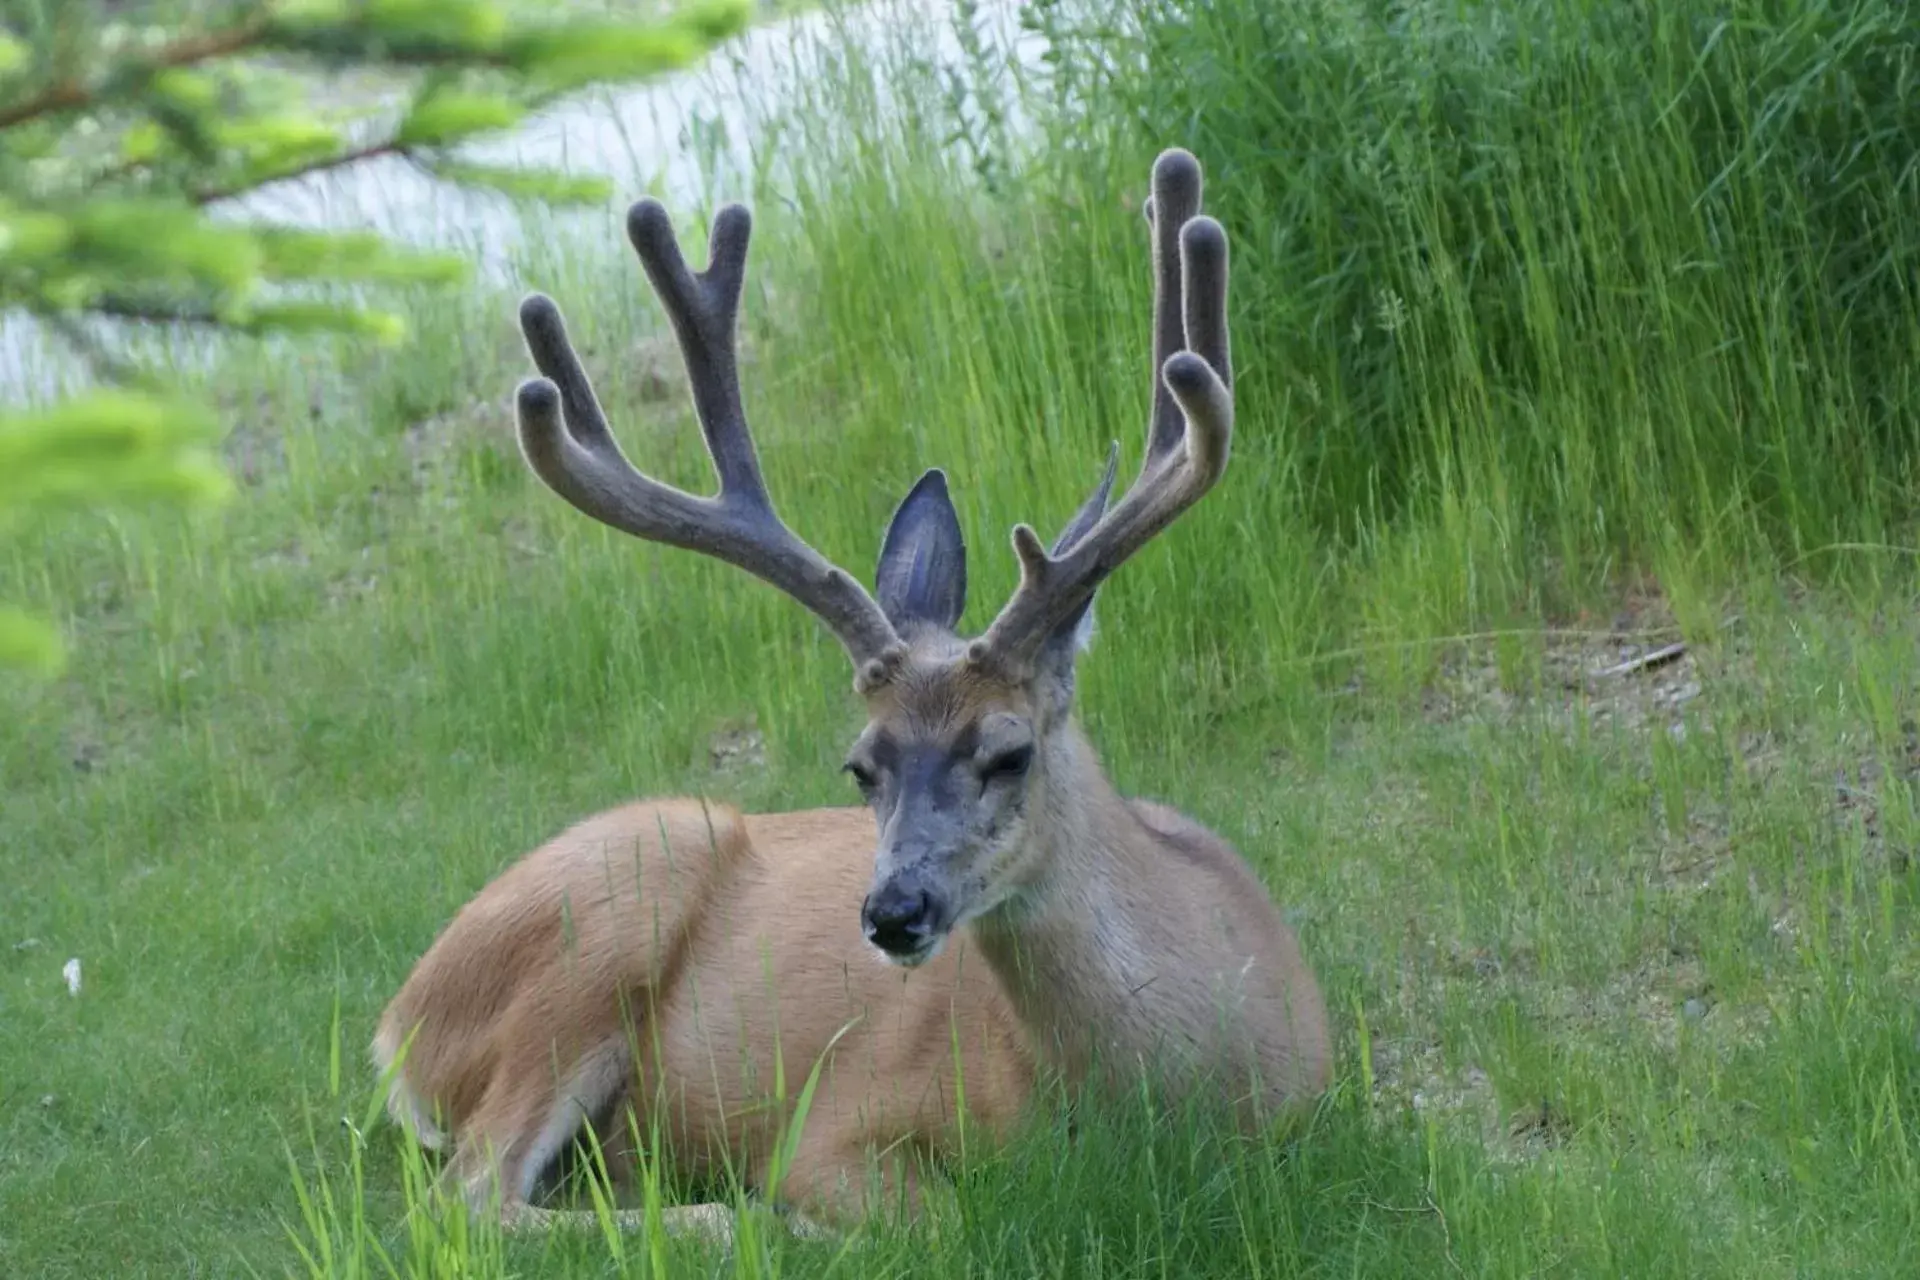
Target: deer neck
(1082, 950)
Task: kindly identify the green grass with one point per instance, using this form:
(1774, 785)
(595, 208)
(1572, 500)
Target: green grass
(1622, 973)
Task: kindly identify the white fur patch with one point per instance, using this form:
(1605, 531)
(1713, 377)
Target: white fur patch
(588, 1092)
(1083, 634)
(406, 1108)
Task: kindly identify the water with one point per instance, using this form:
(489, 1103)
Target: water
(693, 139)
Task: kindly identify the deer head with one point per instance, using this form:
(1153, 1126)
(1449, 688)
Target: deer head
(964, 759)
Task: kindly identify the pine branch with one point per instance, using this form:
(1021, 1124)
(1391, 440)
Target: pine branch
(75, 94)
(121, 308)
(353, 155)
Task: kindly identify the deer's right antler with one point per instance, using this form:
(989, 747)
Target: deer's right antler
(583, 463)
(1188, 433)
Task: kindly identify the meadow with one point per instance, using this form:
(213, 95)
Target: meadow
(1564, 332)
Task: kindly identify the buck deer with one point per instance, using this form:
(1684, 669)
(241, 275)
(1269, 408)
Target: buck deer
(641, 971)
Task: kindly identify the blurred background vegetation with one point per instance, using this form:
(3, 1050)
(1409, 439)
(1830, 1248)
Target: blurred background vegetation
(122, 124)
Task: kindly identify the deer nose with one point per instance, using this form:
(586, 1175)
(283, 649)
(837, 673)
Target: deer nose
(898, 918)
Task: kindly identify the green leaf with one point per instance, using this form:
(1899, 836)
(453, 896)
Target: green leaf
(188, 90)
(527, 184)
(312, 12)
(29, 237)
(579, 53)
(715, 20)
(110, 445)
(584, 52)
(323, 317)
(279, 141)
(142, 142)
(469, 24)
(352, 255)
(30, 643)
(13, 54)
(447, 115)
(162, 242)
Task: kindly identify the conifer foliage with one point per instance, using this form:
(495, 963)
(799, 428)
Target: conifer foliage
(124, 129)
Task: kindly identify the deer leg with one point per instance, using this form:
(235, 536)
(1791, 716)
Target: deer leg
(710, 1222)
(527, 1119)
(828, 1180)
(828, 1175)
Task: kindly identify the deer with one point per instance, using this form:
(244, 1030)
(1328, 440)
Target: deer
(993, 915)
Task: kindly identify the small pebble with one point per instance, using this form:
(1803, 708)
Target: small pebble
(1694, 1009)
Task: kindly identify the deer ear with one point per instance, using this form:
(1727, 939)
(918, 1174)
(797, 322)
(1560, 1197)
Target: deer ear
(923, 561)
(1076, 632)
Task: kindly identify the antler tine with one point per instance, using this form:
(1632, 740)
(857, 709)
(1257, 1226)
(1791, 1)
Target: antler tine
(1188, 435)
(1173, 201)
(704, 310)
(567, 441)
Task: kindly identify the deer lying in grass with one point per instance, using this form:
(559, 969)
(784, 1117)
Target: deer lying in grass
(639, 972)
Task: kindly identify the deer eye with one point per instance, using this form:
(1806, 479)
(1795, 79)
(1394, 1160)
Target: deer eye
(862, 775)
(1008, 764)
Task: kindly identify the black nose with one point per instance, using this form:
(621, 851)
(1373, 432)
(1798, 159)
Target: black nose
(898, 918)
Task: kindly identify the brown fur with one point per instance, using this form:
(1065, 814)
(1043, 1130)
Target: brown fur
(704, 937)
(700, 937)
